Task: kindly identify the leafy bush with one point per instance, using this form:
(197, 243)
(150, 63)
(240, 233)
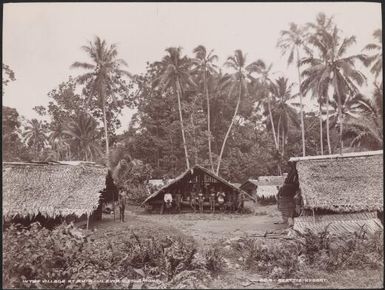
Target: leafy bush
(66, 253)
(284, 258)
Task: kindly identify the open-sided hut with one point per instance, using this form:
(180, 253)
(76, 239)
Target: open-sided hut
(51, 192)
(343, 192)
(194, 178)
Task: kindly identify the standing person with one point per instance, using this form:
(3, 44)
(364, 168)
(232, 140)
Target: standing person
(178, 201)
(201, 200)
(122, 204)
(286, 203)
(193, 199)
(212, 200)
(221, 200)
(167, 202)
(241, 202)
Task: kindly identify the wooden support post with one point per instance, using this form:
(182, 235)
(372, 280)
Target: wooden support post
(88, 220)
(113, 203)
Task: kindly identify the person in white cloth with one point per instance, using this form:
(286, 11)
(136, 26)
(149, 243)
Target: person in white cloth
(167, 201)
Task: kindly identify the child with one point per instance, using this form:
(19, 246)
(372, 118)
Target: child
(122, 205)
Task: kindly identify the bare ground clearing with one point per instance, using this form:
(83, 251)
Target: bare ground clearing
(206, 229)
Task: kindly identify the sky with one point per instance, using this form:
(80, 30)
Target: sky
(42, 40)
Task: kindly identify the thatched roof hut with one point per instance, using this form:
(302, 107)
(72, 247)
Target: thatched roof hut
(196, 174)
(51, 189)
(351, 182)
(268, 186)
(265, 187)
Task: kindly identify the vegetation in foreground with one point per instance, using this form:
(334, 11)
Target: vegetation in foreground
(75, 258)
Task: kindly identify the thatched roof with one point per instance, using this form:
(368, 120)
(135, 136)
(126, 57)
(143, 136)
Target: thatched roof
(271, 180)
(190, 171)
(349, 183)
(267, 191)
(339, 223)
(51, 189)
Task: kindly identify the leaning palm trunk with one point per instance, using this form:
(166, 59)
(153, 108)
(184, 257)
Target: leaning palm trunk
(178, 93)
(208, 121)
(301, 110)
(228, 130)
(320, 129)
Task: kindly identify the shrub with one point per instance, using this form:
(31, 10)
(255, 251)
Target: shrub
(319, 251)
(66, 253)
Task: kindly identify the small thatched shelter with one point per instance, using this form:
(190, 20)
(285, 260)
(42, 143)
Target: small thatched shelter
(345, 190)
(51, 190)
(265, 188)
(195, 177)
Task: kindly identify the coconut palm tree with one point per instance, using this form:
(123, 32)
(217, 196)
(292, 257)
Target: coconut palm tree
(59, 143)
(263, 87)
(35, 136)
(315, 32)
(176, 74)
(101, 75)
(334, 69)
(283, 110)
(367, 126)
(237, 82)
(291, 42)
(376, 59)
(204, 63)
(84, 135)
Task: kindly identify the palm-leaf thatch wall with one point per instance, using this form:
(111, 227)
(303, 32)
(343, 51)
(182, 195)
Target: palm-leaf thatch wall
(51, 190)
(339, 223)
(350, 183)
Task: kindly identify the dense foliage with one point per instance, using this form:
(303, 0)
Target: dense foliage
(238, 119)
(321, 252)
(67, 257)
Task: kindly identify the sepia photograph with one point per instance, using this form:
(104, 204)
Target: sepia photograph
(192, 145)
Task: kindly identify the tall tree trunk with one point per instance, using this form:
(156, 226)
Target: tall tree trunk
(194, 139)
(283, 142)
(103, 96)
(279, 131)
(272, 124)
(301, 111)
(178, 93)
(208, 120)
(320, 127)
(229, 129)
(327, 125)
(339, 113)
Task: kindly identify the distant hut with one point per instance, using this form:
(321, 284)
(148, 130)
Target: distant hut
(343, 192)
(52, 192)
(265, 188)
(195, 177)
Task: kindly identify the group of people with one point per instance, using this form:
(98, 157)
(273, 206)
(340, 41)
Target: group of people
(231, 201)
